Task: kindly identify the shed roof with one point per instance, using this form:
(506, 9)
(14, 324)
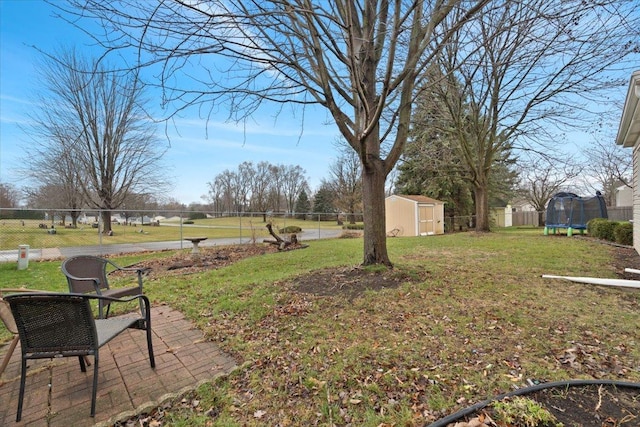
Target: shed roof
(418, 199)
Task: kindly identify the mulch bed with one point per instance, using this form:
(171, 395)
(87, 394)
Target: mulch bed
(595, 405)
(184, 262)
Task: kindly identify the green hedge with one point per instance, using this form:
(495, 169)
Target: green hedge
(290, 229)
(353, 227)
(624, 233)
(613, 231)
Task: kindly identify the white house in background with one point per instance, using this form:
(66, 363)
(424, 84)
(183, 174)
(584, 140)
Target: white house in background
(624, 196)
(629, 136)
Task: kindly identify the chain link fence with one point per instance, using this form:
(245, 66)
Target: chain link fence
(53, 230)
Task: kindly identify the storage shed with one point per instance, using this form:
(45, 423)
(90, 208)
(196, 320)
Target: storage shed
(501, 216)
(414, 216)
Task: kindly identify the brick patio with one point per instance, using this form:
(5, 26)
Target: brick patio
(57, 393)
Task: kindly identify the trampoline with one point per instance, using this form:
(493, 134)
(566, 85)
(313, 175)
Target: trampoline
(570, 211)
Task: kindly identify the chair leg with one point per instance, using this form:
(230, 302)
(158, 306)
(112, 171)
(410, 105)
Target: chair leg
(23, 380)
(94, 392)
(142, 311)
(12, 347)
(152, 359)
(100, 310)
(83, 366)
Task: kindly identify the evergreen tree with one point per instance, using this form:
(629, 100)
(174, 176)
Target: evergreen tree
(436, 164)
(323, 203)
(432, 162)
(303, 205)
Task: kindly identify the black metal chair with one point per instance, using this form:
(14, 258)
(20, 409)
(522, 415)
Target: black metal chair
(62, 325)
(88, 274)
(7, 320)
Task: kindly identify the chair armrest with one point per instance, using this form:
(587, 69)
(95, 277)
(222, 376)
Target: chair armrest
(140, 271)
(111, 300)
(94, 280)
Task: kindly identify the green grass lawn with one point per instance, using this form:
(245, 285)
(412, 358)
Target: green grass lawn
(14, 233)
(476, 320)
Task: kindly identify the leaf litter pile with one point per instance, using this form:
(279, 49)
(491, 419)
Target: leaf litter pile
(408, 350)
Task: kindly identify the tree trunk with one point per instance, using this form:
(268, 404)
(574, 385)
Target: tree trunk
(352, 217)
(482, 208)
(375, 243)
(352, 213)
(74, 218)
(106, 221)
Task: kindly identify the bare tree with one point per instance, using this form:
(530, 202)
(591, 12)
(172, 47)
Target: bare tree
(608, 167)
(293, 183)
(262, 186)
(242, 184)
(99, 132)
(9, 196)
(527, 68)
(222, 192)
(277, 182)
(51, 165)
(541, 178)
(346, 184)
(261, 182)
(361, 61)
(135, 205)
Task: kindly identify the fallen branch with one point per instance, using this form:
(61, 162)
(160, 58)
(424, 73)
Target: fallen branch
(279, 241)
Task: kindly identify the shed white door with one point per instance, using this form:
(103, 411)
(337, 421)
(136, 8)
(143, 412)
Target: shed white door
(426, 225)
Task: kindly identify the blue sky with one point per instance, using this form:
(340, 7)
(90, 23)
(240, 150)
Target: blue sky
(195, 157)
(199, 151)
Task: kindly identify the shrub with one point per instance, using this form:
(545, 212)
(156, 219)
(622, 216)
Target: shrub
(350, 235)
(290, 229)
(624, 233)
(613, 231)
(197, 215)
(593, 225)
(187, 222)
(353, 227)
(602, 229)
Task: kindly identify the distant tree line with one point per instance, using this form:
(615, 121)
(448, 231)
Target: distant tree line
(261, 187)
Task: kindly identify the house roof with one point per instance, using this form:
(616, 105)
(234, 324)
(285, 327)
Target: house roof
(416, 198)
(629, 130)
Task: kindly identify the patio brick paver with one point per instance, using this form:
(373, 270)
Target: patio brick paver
(57, 393)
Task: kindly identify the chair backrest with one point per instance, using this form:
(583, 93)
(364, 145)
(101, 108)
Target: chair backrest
(5, 311)
(82, 271)
(54, 324)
